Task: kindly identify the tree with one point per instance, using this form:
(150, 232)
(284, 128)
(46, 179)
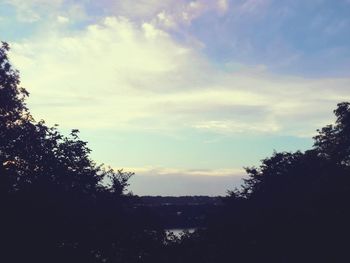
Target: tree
(54, 201)
(333, 141)
(30, 150)
(12, 97)
(294, 207)
(13, 113)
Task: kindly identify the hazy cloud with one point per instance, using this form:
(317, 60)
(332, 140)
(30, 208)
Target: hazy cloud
(142, 78)
(31, 10)
(170, 181)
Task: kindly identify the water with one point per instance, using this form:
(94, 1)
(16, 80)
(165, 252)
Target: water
(178, 231)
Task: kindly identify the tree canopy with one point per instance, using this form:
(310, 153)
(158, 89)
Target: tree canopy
(294, 207)
(58, 205)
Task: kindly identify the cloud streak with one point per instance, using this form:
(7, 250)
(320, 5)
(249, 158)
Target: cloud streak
(173, 182)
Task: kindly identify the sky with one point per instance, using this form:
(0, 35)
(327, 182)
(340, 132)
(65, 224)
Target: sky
(183, 93)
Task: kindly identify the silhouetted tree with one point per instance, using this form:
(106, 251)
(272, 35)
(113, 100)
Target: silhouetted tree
(294, 207)
(56, 204)
(333, 141)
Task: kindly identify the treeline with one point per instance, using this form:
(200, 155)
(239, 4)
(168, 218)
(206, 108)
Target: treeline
(180, 200)
(174, 212)
(57, 205)
(183, 216)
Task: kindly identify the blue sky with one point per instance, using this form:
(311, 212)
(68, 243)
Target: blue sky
(183, 93)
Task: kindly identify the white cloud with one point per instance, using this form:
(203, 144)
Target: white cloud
(119, 74)
(111, 63)
(232, 126)
(62, 19)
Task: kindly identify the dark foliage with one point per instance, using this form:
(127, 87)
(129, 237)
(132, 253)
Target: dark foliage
(56, 204)
(295, 207)
(182, 212)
